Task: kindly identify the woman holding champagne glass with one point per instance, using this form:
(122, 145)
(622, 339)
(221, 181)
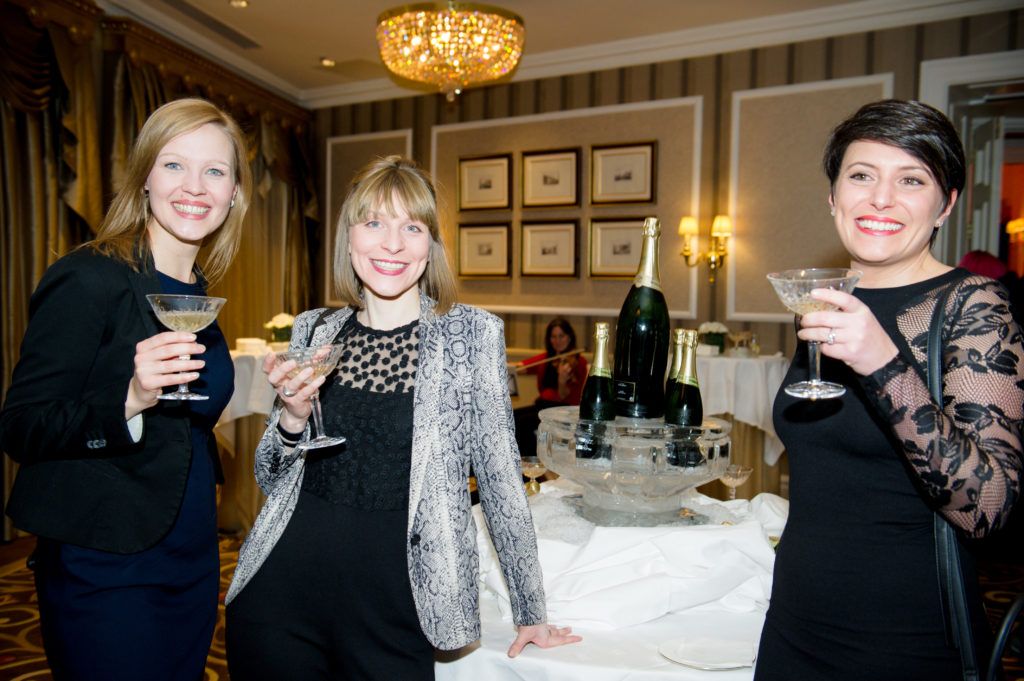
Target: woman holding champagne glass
(363, 559)
(856, 589)
(119, 486)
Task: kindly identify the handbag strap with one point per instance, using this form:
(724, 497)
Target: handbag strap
(953, 594)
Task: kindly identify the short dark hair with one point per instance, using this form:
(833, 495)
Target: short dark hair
(918, 129)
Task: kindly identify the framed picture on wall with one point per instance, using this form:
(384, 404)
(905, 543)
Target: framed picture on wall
(615, 247)
(485, 182)
(622, 173)
(485, 250)
(550, 178)
(549, 249)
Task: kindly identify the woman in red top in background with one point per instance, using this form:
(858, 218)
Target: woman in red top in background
(558, 383)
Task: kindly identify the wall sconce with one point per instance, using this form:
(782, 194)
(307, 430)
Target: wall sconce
(721, 230)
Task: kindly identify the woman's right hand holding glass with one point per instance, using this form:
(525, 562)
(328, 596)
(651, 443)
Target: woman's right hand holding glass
(159, 364)
(294, 392)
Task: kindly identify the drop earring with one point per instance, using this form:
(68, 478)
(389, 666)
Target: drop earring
(832, 211)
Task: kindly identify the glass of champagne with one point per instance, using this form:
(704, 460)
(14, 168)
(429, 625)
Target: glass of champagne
(533, 469)
(321, 359)
(794, 290)
(185, 313)
(734, 476)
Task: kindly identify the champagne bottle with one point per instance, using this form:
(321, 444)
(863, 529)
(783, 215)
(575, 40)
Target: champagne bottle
(598, 400)
(641, 337)
(683, 405)
(677, 362)
(684, 409)
(597, 405)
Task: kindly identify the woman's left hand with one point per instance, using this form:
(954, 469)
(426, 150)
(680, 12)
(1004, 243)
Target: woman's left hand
(543, 636)
(851, 334)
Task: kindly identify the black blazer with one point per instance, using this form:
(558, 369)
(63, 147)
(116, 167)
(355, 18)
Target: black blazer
(82, 480)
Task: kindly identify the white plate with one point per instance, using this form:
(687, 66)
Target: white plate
(709, 654)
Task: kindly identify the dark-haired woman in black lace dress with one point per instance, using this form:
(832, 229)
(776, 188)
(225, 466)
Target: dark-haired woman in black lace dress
(856, 592)
(363, 559)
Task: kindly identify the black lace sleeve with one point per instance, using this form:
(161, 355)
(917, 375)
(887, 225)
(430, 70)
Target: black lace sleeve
(967, 456)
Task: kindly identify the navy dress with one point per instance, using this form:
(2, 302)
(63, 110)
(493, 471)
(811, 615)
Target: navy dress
(147, 615)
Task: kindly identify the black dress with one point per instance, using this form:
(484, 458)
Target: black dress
(333, 599)
(855, 593)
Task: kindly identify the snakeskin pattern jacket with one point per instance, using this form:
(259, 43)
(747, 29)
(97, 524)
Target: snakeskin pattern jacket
(462, 415)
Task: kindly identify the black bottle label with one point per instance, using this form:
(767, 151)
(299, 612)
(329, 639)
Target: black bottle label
(625, 391)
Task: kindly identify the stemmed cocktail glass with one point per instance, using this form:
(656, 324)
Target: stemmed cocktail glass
(185, 313)
(533, 469)
(734, 476)
(321, 359)
(794, 290)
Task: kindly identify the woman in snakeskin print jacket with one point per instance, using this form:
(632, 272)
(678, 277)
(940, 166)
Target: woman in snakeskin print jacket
(364, 557)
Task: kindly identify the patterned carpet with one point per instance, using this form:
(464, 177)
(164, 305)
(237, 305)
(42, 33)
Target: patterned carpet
(21, 649)
(21, 645)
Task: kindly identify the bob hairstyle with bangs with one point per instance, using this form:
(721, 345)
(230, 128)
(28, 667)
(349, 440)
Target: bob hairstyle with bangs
(391, 185)
(123, 234)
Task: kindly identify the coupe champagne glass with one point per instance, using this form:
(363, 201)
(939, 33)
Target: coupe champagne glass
(734, 476)
(321, 359)
(533, 469)
(185, 313)
(794, 290)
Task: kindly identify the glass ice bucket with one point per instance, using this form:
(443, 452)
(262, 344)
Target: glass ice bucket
(633, 471)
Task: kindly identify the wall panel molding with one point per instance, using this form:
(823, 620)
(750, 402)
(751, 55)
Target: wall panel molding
(777, 193)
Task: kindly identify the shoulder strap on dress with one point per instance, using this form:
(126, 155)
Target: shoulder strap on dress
(952, 591)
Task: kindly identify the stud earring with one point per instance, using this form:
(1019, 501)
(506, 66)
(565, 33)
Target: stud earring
(832, 211)
(232, 203)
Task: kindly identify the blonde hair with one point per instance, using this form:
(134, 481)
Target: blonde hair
(123, 233)
(390, 184)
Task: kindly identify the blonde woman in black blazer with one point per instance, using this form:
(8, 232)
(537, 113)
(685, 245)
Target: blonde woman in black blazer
(364, 557)
(118, 486)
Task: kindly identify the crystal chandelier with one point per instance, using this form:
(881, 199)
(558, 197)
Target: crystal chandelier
(450, 46)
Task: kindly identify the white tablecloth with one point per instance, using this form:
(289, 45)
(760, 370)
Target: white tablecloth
(253, 395)
(628, 590)
(744, 387)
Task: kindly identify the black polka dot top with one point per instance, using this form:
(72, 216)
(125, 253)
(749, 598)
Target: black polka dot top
(369, 400)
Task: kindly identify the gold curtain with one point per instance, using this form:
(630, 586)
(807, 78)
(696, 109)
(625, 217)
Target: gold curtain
(49, 158)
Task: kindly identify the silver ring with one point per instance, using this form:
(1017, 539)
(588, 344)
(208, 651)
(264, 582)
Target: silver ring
(287, 393)
(831, 340)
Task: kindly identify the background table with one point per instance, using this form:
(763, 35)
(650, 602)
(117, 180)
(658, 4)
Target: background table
(742, 390)
(238, 432)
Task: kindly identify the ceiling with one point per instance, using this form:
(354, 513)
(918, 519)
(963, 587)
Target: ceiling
(278, 43)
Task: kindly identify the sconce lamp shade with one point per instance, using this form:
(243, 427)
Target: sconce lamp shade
(688, 226)
(721, 227)
(1014, 226)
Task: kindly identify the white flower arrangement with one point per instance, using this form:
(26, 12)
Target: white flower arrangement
(280, 327)
(282, 320)
(712, 327)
